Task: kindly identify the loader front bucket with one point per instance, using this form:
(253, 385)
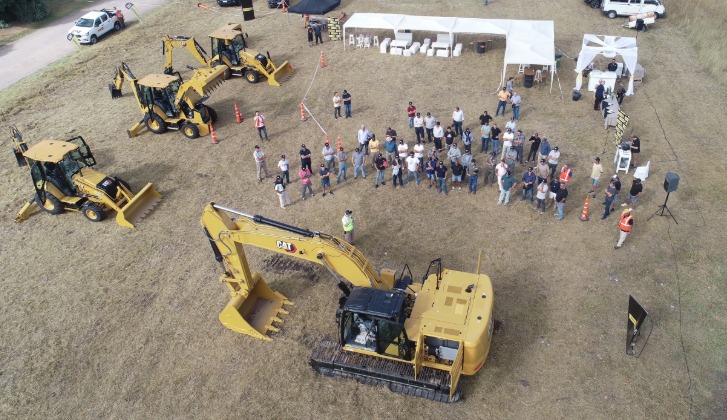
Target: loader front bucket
(281, 74)
(253, 312)
(138, 207)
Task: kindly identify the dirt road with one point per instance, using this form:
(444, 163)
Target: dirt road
(46, 45)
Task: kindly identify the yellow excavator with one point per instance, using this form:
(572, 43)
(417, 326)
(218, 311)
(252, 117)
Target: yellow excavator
(415, 337)
(169, 103)
(228, 48)
(63, 179)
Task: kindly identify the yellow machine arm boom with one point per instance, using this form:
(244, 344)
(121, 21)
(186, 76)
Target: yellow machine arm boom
(169, 43)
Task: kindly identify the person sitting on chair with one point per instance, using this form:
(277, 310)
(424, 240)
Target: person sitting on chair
(612, 66)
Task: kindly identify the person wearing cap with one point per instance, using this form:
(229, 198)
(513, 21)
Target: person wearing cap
(259, 156)
(518, 143)
(259, 121)
(610, 193)
(466, 160)
(454, 154)
(617, 185)
(449, 136)
(489, 174)
(374, 145)
(348, 228)
(305, 158)
(511, 158)
(625, 224)
(284, 167)
(495, 138)
(429, 122)
(511, 124)
(503, 97)
(500, 171)
(510, 82)
(596, 172)
(507, 183)
(412, 168)
(565, 174)
(542, 195)
(635, 150)
(441, 173)
(429, 170)
(534, 141)
(467, 140)
(411, 111)
(507, 139)
(342, 158)
(346, 103)
(636, 190)
(457, 120)
(328, 155)
(419, 126)
(390, 147)
(473, 172)
(364, 135)
(560, 199)
(553, 158)
(283, 196)
(325, 179)
(391, 133)
(528, 185)
(380, 163)
(544, 149)
(305, 181)
(542, 171)
(554, 188)
(402, 149)
(419, 154)
(516, 100)
(397, 171)
(359, 160)
(485, 132)
(438, 133)
(599, 95)
(457, 173)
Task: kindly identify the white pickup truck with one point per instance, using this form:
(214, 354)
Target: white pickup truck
(91, 26)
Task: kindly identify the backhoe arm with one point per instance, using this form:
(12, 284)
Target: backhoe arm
(169, 43)
(120, 73)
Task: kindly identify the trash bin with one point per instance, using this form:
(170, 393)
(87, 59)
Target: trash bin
(528, 79)
(481, 46)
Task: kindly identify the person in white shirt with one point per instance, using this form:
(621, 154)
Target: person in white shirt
(500, 171)
(511, 124)
(412, 166)
(402, 148)
(457, 120)
(282, 194)
(541, 195)
(438, 135)
(284, 167)
(363, 139)
(419, 154)
(259, 121)
(259, 156)
(454, 154)
(429, 122)
(553, 157)
(507, 139)
(419, 126)
(336, 105)
(328, 154)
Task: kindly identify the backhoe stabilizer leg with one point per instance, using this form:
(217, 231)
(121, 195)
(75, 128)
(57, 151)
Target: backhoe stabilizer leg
(136, 129)
(28, 209)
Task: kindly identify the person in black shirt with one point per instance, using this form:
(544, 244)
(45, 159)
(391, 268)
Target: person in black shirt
(391, 133)
(346, 103)
(600, 90)
(617, 185)
(534, 141)
(635, 150)
(613, 66)
(441, 172)
(449, 136)
(636, 190)
(380, 164)
(485, 118)
(457, 172)
(495, 136)
(560, 198)
(305, 161)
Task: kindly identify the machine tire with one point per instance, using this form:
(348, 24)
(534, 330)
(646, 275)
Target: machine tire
(657, 16)
(595, 4)
(612, 14)
(124, 183)
(93, 212)
(212, 113)
(117, 26)
(252, 76)
(155, 123)
(190, 130)
(94, 39)
(52, 204)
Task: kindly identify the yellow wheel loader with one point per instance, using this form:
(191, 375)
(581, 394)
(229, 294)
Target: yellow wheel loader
(228, 48)
(169, 103)
(416, 337)
(63, 179)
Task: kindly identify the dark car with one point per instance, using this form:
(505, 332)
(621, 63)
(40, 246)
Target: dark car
(276, 4)
(229, 2)
(595, 4)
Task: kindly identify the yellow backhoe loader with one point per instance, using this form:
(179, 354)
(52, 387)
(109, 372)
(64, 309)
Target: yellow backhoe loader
(169, 103)
(228, 48)
(63, 179)
(414, 337)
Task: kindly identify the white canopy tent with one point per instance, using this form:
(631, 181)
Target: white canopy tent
(528, 41)
(609, 47)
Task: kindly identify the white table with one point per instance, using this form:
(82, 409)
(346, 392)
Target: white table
(401, 43)
(609, 77)
(441, 46)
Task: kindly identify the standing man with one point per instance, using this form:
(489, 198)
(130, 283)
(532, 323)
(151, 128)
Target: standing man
(636, 190)
(467, 160)
(283, 196)
(374, 145)
(305, 159)
(553, 157)
(259, 121)
(467, 140)
(617, 185)
(457, 173)
(346, 103)
(495, 135)
(596, 172)
(336, 105)
(485, 132)
(490, 164)
(430, 165)
(380, 164)
(438, 133)
(473, 172)
(457, 120)
(565, 174)
(325, 179)
(600, 90)
(412, 167)
(419, 126)
(560, 198)
(441, 173)
(541, 195)
(359, 160)
(305, 181)
(507, 183)
(411, 111)
(454, 154)
(342, 158)
(317, 30)
(390, 146)
(542, 171)
(519, 143)
(429, 122)
(363, 139)
(402, 149)
(516, 101)
(507, 139)
(347, 222)
(284, 167)
(544, 149)
(624, 225)
(511, 158)
(503, 98)
(500, 171)
(259, 156)
(528, 184)
(553, 195)
(635, 150)
(328, 155)
(534, 141)
(485, 118)
(419, 154)
(610, 193)
(449, 136)
(391, 133)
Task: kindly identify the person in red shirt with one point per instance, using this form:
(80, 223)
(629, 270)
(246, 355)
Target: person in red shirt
(411, 111)
(259, 121)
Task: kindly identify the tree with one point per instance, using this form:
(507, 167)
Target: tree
(23, 10)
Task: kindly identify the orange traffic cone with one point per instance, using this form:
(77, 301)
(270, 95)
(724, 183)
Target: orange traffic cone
(238, 116)
(323, 60)
(302, 112)
(584, 215)
(340, 144)
(214, 135)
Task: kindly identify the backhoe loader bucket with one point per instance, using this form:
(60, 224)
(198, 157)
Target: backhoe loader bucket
(138, 207)
(205, 81)
(253, 312)
(281, 74)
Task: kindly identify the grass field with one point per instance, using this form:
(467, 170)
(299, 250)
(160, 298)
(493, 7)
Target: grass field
(101, 321)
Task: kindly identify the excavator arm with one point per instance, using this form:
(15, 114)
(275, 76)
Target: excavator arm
(169, 43)
(254, 306)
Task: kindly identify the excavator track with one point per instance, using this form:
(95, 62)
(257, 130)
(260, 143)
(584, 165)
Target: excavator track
(329, 359)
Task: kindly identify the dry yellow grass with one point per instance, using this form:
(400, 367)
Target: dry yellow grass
(98, 321)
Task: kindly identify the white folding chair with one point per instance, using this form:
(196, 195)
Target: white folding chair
(367, 42)
(623, 160)
(642, 172)
(351, 39)
(376, 40)
(360, 42)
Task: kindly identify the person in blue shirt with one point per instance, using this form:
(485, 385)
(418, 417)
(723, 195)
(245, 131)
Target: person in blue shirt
(544, 149)
(507, 183)
(528, 183)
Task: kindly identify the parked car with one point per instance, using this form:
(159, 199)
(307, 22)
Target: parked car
(277, 4)
(224, 3)
(595, 4)
(613, 8)
(93, 25)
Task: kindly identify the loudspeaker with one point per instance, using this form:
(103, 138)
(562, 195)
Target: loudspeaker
(671, 182)
(248, 14)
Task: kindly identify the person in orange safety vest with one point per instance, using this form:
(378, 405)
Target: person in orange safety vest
(565, 174)
(624, 224)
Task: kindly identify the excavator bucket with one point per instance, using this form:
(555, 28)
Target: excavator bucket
(204, 81)
(280, 74)
(253, 311)
(138, 207)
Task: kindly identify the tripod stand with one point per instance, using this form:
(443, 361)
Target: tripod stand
(662, 208)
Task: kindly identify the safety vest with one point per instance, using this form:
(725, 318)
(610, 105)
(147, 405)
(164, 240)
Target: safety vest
(347, 223)
(565, 174)
(259, 121)
(624, 222)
